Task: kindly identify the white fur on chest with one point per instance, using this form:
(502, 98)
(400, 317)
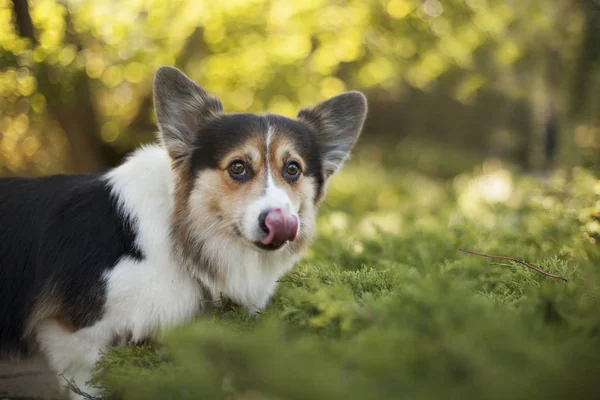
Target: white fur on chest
(251, 275)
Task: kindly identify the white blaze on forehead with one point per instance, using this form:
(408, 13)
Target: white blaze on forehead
(272, 197)
(269, 136)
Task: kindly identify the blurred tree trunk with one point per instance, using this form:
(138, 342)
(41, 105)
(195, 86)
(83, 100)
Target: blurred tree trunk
(23, 19)
(77, 117)
(588, 56)
(554, 83)
(193, 47)
(522, 124)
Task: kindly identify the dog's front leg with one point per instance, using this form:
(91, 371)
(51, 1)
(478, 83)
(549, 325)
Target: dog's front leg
(71, 355)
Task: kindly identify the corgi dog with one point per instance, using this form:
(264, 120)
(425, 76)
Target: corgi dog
(220, 207)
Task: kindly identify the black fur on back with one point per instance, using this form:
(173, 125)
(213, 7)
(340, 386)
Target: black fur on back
(58, 236)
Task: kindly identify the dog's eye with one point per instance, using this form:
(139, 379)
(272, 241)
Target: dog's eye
(237, 169)
(292, 170)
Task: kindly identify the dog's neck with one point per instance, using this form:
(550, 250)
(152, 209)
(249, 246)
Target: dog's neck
(231, 269)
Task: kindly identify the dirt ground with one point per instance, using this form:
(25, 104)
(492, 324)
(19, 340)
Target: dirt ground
(28, 380)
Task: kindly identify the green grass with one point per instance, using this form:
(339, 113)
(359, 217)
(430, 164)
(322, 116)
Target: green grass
(384, 306)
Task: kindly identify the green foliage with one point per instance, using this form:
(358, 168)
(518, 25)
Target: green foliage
(127, 362)
(385, 307)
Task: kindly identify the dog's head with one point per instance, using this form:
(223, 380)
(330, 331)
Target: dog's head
(248, 177)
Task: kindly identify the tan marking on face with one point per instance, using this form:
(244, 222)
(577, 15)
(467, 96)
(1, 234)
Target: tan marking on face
(306, 213)
(186, 245)
(281, 151)
(183, 185)
(221, 192)
(251, 151)
(217, 190)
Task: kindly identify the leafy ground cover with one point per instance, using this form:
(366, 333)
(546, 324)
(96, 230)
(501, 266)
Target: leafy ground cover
(384, 306)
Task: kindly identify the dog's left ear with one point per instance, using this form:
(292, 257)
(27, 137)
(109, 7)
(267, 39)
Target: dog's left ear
(338, 122)
(181, 107)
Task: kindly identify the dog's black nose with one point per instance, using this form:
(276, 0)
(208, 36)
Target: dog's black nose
(261, 221)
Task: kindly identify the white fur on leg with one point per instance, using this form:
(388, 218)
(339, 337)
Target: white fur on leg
(71, 355)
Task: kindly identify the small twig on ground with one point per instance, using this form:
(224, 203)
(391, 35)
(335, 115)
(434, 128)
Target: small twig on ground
(72, 386)
(523, 263)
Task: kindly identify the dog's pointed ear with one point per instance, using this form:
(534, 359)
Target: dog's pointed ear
(338, 122)
(181, 106)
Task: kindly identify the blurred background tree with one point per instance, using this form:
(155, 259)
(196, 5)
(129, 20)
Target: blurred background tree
(509, 78)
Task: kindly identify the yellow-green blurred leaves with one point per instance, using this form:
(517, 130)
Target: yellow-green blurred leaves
(135, 72)
(48, 16)
(376, 72)
(260, 54)
(469, 85)
(288, 48)
(9, 39)
(112, 76)
(331, 86)
(26, 85)
(38, 103)
(399, 9)
(507, 53)
(67, 55)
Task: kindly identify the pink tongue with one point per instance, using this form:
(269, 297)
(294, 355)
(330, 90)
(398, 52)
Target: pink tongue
(281, 226)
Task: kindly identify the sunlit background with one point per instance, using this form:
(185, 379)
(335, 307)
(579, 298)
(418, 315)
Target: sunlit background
(509, 79)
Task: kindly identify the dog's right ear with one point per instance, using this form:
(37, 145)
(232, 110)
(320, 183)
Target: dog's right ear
(181, 106)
